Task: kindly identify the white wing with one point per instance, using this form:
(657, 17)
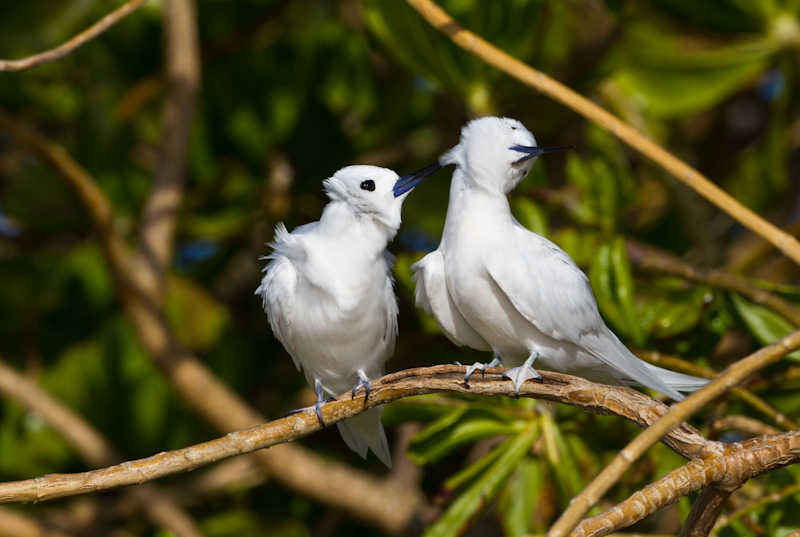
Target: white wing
(278, 286)
(390, 329)
(433, 297)
(545, 285)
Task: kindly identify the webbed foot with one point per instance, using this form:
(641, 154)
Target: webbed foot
(522, 373)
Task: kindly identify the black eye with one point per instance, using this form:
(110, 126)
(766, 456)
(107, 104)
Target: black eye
(513, 128)
(369, 184)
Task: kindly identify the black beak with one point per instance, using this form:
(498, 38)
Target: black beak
(534, 151)
(408, 182)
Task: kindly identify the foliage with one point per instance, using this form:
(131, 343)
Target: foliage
(299, 89)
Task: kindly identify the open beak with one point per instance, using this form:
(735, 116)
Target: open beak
(533, 151)
(408, 182)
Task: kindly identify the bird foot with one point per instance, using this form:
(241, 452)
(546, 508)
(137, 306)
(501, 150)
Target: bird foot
(362, 381)
(479, 365)
(522, 373)
(317, 409)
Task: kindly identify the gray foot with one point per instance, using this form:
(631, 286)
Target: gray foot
(362, 381)
(478, 365)
(522, 373)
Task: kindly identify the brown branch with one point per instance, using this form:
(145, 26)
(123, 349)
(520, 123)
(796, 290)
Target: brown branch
(729, 378)
(647, 258)
(726, 467)
(748, 426)
(93, 448)
(87, 35)
(684, 366)
(595, 398)
(160, 213)
(374, 501)
(705, 510)
(506, 63)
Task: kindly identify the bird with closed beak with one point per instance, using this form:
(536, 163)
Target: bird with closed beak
(494, 285)
(328, 292)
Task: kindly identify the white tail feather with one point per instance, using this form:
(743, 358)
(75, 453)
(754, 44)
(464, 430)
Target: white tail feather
(364, 432)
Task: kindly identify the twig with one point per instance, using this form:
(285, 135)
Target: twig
(749, 426)
(647, 258)
(729, 378)
(87, 35)
(569, 98)
(599, 399)
(726, 467)
(93, 448)
(160, 213)
(705, 510)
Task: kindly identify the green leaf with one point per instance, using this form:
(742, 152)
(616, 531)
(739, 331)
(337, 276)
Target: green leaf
(612, 282)
(471, 501)
(520, 496)
(456, 428)
(669, 75)
(766, 325)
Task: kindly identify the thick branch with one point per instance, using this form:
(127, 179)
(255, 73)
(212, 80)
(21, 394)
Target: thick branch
(729, 378)
(87, 35)
(574, 101)
(93, 448)
(160, 214)
(725, 467)
(596, 398)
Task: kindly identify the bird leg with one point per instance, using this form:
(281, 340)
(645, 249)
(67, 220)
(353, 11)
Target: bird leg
(478, 365)
(362, 381)
(317, 404)
(522, 373)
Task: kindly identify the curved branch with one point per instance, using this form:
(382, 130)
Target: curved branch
(596, 398)
(87, 35)
(725, 467)
(529, 76)
(705, 510)
(729, 378)
(160, 213)
(93, 448)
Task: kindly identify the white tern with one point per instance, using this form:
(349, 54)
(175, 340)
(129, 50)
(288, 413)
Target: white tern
(328, 292)
(494, 285)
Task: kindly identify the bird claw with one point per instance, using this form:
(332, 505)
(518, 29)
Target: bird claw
(479, 365)
(362, 381)
(522, 373)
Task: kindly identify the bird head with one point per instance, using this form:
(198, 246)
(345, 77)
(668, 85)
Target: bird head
(374, 192)
(495, 153)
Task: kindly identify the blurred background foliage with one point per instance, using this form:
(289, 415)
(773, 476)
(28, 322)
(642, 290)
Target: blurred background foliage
(292, 91)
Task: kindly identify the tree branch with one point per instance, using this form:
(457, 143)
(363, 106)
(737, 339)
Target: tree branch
(574, 391)
(160, 213)
(87, 35)
(723, 466)
(729, 378)
(754, 504)
(705, 510)
(93, 448)
(529, 76)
